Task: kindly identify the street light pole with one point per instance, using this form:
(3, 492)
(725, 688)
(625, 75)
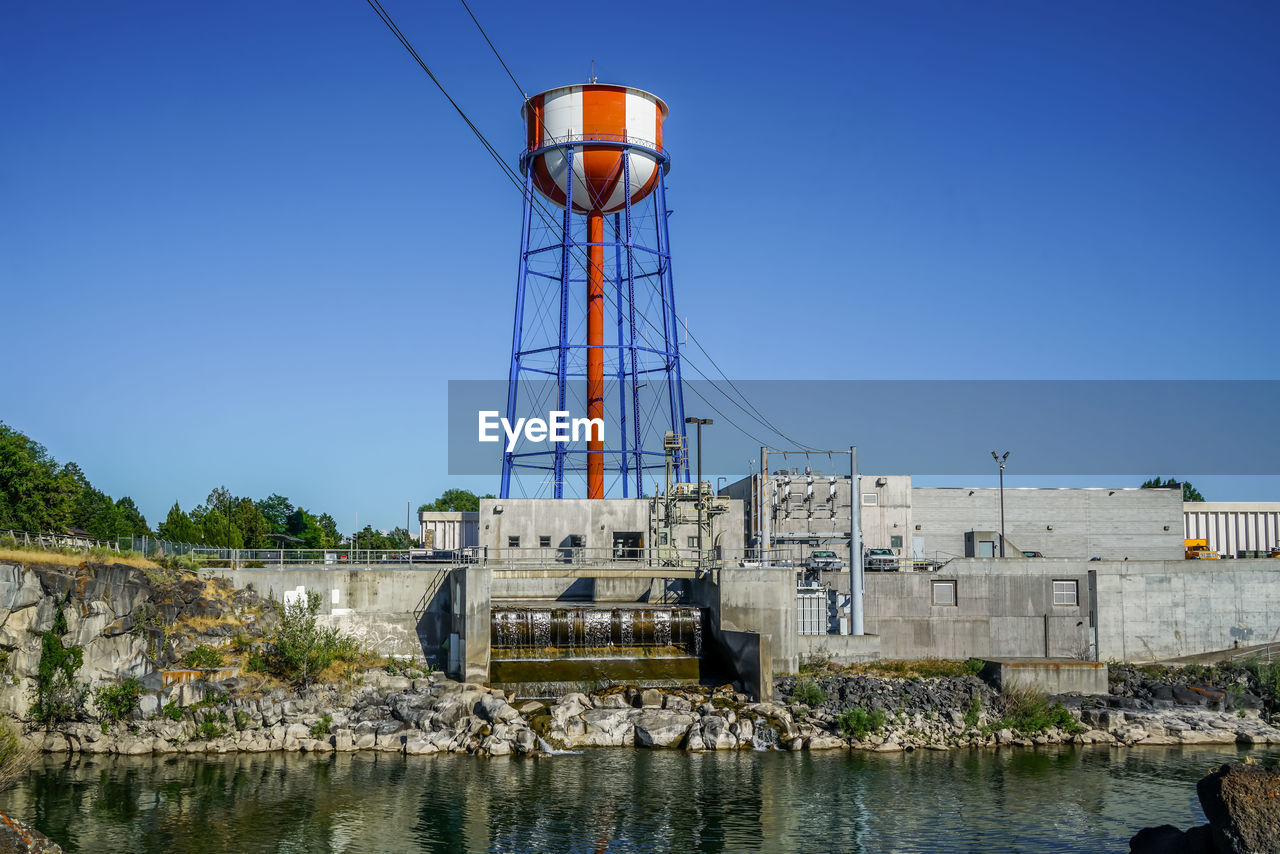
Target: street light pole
(699, 422)
(1001, 460)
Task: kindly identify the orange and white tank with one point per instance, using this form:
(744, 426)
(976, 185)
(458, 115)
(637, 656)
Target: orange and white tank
(608, 116)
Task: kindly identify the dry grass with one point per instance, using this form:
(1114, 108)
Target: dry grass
(71, 558)
(927, 668)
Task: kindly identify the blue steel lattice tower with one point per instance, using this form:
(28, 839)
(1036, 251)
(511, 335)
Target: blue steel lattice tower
(595, 232)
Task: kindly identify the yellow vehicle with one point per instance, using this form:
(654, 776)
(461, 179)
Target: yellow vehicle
(1199, 550)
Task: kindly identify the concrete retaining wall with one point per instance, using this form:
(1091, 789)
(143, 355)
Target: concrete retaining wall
(1002, 609)
(1053, 676)
(1165, 609)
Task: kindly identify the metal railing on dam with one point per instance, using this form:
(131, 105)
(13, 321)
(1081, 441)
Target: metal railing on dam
(547, 559)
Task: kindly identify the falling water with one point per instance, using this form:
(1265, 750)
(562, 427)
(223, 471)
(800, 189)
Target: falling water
(542, 651)
(766, 737)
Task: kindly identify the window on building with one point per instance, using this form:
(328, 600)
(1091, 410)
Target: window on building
(1066, 592)
(895, 542)
(513, 542)
(544, 542)
(869, 499)
(693, 542)
(577, 541)
(944, 592)
(662, 538)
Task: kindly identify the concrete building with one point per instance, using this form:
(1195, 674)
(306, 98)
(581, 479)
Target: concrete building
(449, 530)
(608, 528)
(1111, 524)
(933, 525)
(1233, 527)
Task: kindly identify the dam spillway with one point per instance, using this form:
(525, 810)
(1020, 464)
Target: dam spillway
(545, 651)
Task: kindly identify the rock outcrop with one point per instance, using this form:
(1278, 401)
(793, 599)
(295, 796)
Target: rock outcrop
(19, 838)
(1242, 804)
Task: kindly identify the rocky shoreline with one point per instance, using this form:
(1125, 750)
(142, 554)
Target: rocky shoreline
(148, 626)
(432, 714)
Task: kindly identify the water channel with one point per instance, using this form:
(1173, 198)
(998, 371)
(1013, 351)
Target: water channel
(621, 800)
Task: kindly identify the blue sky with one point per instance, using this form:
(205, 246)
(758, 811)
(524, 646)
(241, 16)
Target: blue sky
(249, 243)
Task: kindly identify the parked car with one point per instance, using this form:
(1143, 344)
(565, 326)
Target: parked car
(880, 560)
(824, 560)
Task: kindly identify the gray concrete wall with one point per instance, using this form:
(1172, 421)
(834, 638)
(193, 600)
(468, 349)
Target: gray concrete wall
(1166, 609)
(1003, 609)
(595, 521)
(1112, 524)
(842, 649)
(1062, 676)
(472, 621)
(753, 599)
(402, 612)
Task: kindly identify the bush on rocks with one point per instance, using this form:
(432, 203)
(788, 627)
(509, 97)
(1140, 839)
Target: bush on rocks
(116, 702)
(299, 649)
(809, 693)
(59, 697)
(859, 723)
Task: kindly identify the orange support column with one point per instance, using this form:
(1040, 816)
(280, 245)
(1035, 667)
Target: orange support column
(595, 351)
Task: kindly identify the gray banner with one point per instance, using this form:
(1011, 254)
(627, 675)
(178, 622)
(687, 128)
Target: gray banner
(933, 427)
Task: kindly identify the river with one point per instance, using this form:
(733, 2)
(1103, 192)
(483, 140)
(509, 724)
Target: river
(622, 800)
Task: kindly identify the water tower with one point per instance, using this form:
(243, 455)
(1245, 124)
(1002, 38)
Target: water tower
(594, 253)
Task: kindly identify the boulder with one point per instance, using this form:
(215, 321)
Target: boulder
(20, 838)
(1242, 804)
(661, 728)
(495, 709)
(1167, 839)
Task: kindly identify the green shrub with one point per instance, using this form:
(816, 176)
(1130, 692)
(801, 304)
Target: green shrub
(320, 728)
(859, 723)
(15, 756)
(204, 657)
(809, 693)
(242, 719)
(299, 649)
(172, 710)
(972, 712)
(1027, 710)
(59, 697)
(209, 729)
(116, 702)
(973, 666)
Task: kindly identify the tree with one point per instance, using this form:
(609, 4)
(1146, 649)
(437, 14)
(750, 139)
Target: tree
(178, 527)
(368, 538)
(1189, 492)
(34, 492)
(276, 509)
(332, 535)
(254, 527)
(132, 518)
(304, 526)
(454, 501)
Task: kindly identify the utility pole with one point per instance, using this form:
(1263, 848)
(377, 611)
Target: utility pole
(856, 621)
(699, 422)
(1001, 461)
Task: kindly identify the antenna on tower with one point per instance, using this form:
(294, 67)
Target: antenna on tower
(593, 72)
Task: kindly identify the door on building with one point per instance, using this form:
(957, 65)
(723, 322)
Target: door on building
(628, 545)
(917, 548)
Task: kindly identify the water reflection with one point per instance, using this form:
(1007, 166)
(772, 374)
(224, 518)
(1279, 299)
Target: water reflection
(616, 800)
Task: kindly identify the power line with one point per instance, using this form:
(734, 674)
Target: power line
(758, 416)
(545, 215)
(495, 51)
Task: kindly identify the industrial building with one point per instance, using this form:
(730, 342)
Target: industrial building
(1234, 529)
(927, 526)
